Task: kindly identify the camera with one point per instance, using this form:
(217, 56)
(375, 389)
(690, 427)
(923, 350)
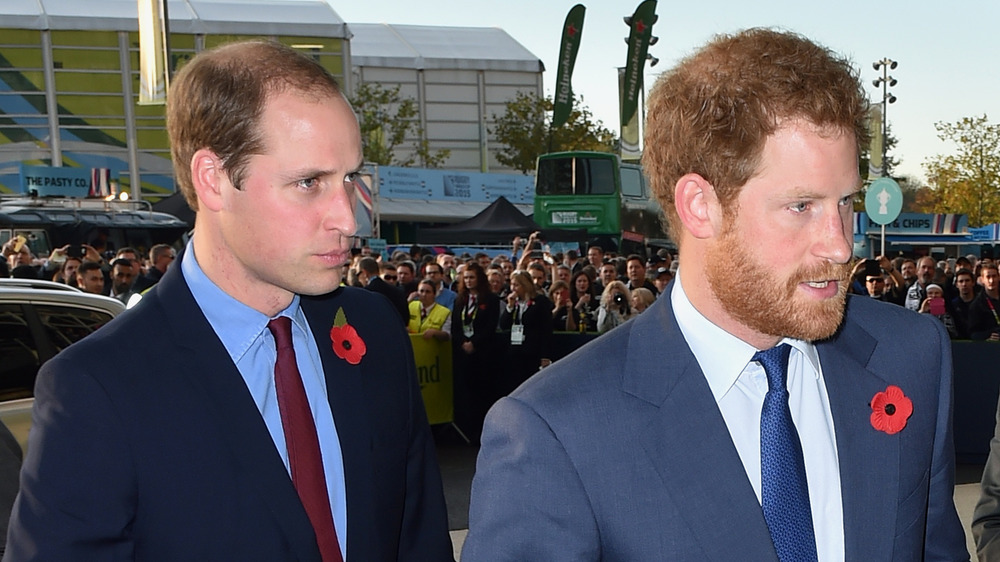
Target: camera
(76, 251)
(618, 298)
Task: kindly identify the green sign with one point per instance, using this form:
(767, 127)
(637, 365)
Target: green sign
(638, 44)
(572, 32)
(883, 201)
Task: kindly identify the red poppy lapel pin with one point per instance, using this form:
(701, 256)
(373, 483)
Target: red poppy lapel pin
(890, 410)
(347, 344)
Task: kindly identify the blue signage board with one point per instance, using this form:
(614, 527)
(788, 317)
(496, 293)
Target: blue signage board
(449, 185)
(50, 180)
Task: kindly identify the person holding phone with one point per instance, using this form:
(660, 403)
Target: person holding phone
(936, 306)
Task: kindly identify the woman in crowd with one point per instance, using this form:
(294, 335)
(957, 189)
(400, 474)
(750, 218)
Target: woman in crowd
(528, 317)
(936, 305)
(562, 311)
(641, 299)
(474, 348)
(584, 302)
(428, 317)
(615, 306)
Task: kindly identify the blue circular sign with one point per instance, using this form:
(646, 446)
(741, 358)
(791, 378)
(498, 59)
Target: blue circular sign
(883, 201)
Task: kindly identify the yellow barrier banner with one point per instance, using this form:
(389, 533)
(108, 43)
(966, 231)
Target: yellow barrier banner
(433, 358)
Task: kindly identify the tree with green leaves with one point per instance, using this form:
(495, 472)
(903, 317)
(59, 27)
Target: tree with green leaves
(968, 181)
(387, 121)
(525, 131)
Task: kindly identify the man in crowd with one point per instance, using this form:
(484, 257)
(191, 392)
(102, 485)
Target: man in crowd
(984, 312)
(539, 277)
(447, 262)
(368, 271)
(607, 273)
(908, 269)
(595, 255)
(965, 285)
(498, 281)
(388, 273)
(406, 272)
(90, 278)
(282, 418)
(122, 277)
(160, 258)
(636, 272)
(917, 291)
(752, 149)
(445, 296)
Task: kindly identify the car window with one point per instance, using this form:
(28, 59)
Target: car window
(20, 354)
(65, 325)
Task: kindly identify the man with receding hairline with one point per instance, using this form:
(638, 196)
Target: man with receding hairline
(766, 416)
(281, 418)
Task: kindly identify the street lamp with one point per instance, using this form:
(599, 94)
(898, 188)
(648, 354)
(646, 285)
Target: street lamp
(885, 65)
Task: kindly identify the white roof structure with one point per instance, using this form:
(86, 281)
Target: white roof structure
(310, 18)
(422, 47)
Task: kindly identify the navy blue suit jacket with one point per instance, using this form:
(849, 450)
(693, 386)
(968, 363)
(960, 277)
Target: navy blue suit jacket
(161, 454)
(619, 452)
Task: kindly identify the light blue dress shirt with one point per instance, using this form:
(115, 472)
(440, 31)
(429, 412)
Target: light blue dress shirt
(243, 331)
(739, 386)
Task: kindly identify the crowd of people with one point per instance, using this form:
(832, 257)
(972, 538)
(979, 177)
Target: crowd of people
(123, 275)
(961, 292)
(499, 312)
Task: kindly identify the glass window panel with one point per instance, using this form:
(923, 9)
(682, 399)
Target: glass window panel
(85, 59)
(20, 354)
(85, 38)
(66, 325)
(20, 37)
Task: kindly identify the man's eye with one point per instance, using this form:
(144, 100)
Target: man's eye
(800, 207)
(353, 177)
(309, 183)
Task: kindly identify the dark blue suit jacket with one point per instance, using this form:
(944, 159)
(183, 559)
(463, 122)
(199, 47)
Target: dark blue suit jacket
(619, 452)
(162, 454)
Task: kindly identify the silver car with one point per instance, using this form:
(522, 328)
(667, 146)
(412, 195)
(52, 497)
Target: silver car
(37, 320)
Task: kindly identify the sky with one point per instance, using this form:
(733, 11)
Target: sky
(947, 52)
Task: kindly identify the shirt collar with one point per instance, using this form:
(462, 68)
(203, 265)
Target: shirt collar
(721, 355)
(237, 325)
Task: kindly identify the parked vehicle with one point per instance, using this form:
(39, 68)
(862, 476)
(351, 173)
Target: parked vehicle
(38, 319)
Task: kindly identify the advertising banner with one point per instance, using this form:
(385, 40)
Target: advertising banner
(568, 47)
(433, 358)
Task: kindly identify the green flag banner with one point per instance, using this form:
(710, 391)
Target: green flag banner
(630, 131)
(638, 44)
(572, 31)
(875, 164)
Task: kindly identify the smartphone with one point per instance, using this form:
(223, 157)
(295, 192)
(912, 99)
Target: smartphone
(937, 306)
(19, 243)
(76, 252)
(872, 268)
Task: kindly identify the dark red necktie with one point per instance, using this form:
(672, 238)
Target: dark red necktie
(304, 456)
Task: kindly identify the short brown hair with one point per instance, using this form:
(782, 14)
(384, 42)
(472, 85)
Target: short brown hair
(712, 114)
(216, 102)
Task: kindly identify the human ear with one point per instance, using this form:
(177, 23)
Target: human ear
(207, 177)
(697, 206)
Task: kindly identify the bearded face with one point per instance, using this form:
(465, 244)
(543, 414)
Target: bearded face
(752, 293)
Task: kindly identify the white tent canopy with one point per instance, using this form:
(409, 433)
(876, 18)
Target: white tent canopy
(215, 17)
(421, 47)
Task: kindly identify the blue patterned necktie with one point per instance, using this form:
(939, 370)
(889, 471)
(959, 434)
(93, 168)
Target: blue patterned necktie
(784, 490)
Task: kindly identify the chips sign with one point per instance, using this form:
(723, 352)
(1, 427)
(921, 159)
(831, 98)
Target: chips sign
(883, 201)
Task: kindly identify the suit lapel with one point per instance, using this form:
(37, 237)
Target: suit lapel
(688, 443)
(229, 406)
(869, 460)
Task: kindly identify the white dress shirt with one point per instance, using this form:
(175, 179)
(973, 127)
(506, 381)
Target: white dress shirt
(739, 386)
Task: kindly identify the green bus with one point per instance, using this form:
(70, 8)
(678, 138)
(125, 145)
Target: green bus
(598, 192)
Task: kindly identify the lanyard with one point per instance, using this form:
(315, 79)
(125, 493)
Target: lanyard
(989, 301)
(470, 310)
